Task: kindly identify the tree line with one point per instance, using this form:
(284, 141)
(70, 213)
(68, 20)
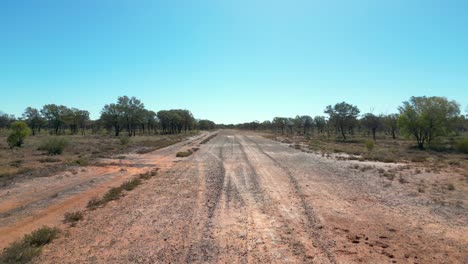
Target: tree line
(423, 118)
(127, 114)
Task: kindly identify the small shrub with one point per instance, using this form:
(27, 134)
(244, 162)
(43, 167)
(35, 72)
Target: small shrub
(114, 193)
(402, 180)
(124, 140)
(30, 246)
(130, 185)
(183, 154)
(421, 189)
(83, 161)
(19, 132)
(462, 146)
(146, 176)
(94, 203)
(369, 145)
(41, 236)
(451, 187)
(390, 176)
(54, 145)
(73, 217)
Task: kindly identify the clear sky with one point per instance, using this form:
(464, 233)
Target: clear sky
(232, 61)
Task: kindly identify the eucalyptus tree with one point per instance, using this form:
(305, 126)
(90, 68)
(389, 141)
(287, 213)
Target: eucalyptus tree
(426, 118)
(112, 117)
(390, 122)
(320, 123)
(343, 116)
(372, 123)
(34, 119)
(54, 114)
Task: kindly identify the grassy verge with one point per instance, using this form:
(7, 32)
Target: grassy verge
(115, 193)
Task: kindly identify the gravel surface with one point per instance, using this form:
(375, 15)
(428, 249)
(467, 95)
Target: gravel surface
(243, 198)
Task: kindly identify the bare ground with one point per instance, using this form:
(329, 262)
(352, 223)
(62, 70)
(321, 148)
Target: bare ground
(241, 198)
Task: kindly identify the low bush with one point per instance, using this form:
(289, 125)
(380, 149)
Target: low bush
(30, 246)
(83, 161)
(369, 145)
(94, 203)
(73, 217)
(130, 185)
(451, 187)
(54, 145)
(184, 154)
(124, 140)
(114, 193)
(462, 146)
(41, 236)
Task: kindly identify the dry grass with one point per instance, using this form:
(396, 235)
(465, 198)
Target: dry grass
(81, 151)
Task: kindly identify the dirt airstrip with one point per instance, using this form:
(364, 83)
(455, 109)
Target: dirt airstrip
(240, 198)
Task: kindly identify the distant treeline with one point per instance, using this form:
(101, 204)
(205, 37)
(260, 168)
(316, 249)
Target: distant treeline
(423, 118)
(128, 114)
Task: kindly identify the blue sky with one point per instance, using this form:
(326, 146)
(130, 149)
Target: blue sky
(232, 61)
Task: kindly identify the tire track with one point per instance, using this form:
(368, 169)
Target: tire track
(314, 222)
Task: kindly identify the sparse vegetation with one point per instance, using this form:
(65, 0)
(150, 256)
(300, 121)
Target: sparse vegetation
(30, 246)
(54, 145)
(130, 185)
(94, 203)
(73, 217)
(114, 193)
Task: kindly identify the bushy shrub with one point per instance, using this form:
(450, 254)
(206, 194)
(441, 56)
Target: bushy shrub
(183, 154)
(130, 185)
(41, 236)
(94, 203)
(19, 132)
(462, 146)
(124, 140)
(30, 246)
(113, 194)
(72, 217)
(54, 145)
(369, 145)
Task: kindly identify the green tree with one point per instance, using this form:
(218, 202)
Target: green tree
(55, 115)
(343, 115)
(426, 118)
(19, 132)
(6, 120)
(372, 123)
(34, 119)
(206, 124)
(390, 122)
(280, 123)
(112, 117)
(320, 122)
